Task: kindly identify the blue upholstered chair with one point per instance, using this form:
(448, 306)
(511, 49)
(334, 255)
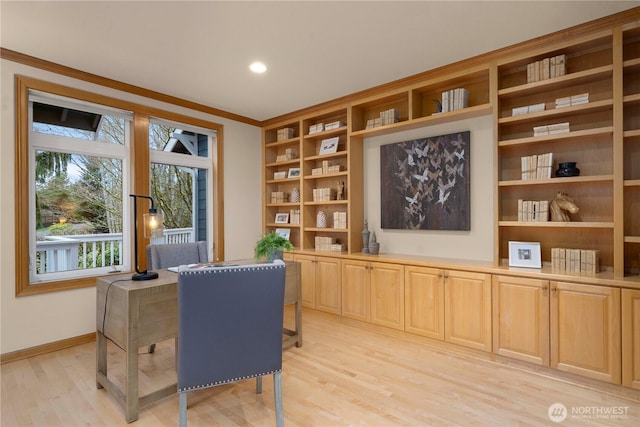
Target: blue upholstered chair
(230, 328)
(173, 255)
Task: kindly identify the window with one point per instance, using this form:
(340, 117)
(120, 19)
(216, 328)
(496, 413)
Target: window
(75, 170)
(79, 153)
(180, 176)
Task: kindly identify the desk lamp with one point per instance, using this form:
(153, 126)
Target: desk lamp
(152, 229)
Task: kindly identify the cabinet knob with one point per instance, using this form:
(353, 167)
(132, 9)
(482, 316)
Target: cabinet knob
(554, 289)
(544, 288)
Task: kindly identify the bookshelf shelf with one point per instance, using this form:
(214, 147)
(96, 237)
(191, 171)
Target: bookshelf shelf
(558, 181)
(554, 224)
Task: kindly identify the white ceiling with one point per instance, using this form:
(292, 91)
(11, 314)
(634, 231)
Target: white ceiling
(315, 51)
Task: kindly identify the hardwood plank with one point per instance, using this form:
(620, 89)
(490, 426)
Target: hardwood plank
(347, 373)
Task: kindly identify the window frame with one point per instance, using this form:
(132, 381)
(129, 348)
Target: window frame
(138, 156)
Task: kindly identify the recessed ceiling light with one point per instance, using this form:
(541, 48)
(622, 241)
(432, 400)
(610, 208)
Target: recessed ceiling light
(258, 67)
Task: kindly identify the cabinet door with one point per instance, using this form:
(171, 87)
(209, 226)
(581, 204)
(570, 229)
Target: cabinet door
(356, 291)
(387, 295)
(631, 338)
(585, 330)
(308, 279)
(467, 298)
(424, 302)
(328, 284)
(521, 318)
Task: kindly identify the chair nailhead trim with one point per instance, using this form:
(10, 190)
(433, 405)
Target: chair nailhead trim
(233, 380)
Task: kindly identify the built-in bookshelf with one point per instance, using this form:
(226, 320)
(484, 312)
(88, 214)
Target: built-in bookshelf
(282, 157)
(631, 144)
(586, 110)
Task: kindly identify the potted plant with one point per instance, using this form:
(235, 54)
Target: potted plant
(271, 247)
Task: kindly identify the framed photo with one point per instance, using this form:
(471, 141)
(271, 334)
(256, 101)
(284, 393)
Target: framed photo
(283, 232)
(329, 145)
(293, 173)
(524, 254)
(282, 218)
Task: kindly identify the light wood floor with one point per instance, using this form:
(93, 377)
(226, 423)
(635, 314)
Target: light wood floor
(347, 373)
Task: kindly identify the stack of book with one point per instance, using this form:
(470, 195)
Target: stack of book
(324, 194)
(334, 125)
(518, 111)
(318, 127)
(547, 68)
(324, 243)
(455, 99)
(533, 210)
(568, 101)
(340, 220)
(285, 133)
(294, 216)
(279, 197)
(537, 166)
(575, 260)
(551, 129)
(387, 117)
(289, 154)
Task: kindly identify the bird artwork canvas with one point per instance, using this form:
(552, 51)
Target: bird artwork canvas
(425, 183)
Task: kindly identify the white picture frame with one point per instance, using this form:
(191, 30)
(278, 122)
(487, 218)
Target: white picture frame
(329, 145)
(283, 232)
(293, 173)
(525, 254)
(282, 218)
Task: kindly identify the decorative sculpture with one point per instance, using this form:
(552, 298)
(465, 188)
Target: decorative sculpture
(340, 191)
(559, 207)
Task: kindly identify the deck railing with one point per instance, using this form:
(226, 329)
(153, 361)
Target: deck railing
(82, 251)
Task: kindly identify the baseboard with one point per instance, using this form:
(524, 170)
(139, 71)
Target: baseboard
(46, 348)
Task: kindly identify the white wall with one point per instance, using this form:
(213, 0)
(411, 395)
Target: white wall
(34, 320)
(476, 244)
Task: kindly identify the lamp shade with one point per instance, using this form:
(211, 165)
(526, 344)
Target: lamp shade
(153, 224)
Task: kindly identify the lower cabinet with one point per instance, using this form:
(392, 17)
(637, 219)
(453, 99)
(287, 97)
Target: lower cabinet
(585, 330)
(631, 338)
(424, 302)
(373, 292)
(320, 282)
(571, 327)
(467, 309)
(449, 305)
(521, 318)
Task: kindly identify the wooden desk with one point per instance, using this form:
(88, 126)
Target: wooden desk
(141, 313)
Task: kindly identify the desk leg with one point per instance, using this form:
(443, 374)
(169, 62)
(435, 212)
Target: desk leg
(131, 383)
(299, 323)
(101, 357)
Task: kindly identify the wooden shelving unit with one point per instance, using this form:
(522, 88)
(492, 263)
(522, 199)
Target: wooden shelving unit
(590, 142)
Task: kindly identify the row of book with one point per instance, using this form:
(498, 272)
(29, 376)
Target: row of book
(328, 244)
(320, 127)
(547, 68)
(326, 168)
(575, 260)
(285, 133)
(387, 117)
(536, 166)
(340, 220)
(324, 194)
(294, 216)
(533, 210)
(289, 154)
(568, 101)
(455, 99)
(551, 129)
(518, 111)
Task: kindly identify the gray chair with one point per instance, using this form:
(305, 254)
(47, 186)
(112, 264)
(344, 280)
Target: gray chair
(173, 255)
(230, 328)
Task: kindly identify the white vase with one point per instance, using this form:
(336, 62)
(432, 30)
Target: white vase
(295, 195)
(321, 220)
